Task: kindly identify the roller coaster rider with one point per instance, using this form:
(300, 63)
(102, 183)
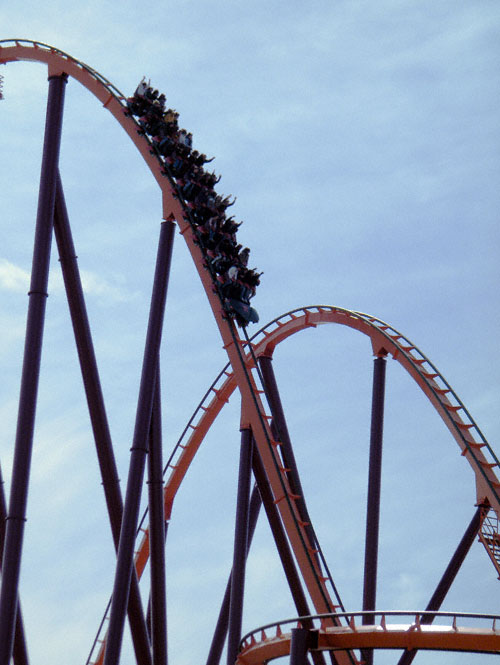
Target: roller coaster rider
(214, 232)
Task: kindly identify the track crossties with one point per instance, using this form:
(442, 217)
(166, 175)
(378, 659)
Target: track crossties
(189, 197)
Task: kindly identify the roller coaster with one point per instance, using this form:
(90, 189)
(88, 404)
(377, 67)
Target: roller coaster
(322, 628)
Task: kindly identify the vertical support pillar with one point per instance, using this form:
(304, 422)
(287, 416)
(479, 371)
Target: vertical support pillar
(240, 545)
(139, 450)
(88, 362)
(280, 538)
(299, 646)
(220, 631)
(20, 652)
(279, 421)
(31, 367)
(157, 533)
(373, 500)
(283, 547)
(447, 579)
(97, 411)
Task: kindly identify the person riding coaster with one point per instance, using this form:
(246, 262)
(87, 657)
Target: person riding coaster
(242, 312)
(214, 233)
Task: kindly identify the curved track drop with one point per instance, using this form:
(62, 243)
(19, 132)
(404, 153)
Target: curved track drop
(384, 340)
(246, 376)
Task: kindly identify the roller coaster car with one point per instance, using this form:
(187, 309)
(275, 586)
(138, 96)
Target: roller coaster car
(241, 311)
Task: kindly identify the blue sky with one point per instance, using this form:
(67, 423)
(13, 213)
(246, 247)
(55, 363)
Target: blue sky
(361, 140)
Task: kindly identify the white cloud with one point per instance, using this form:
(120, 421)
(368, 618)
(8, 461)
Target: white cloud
(13, 278)
(94, 284)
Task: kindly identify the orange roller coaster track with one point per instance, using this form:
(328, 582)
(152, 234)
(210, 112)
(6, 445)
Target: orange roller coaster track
(262, 424)
(271, 642)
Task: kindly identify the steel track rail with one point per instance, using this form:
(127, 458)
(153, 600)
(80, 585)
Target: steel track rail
(457, 418)
(264, 341)
(174, 208)
(260, 646)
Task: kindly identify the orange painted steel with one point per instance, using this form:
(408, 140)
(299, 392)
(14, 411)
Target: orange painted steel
(253, 409)
(407, 636)
(383, 337)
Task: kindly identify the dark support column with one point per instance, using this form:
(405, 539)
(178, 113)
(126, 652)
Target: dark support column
(299, 646)
(97, 411)
(20, 652)
(373, 501)
(157, 533)
(280, 538)
(240, 545)
(88, 363)
(148, 614)
(220, 632)
(139, 450)
(279, 422)
(283, 547)
(31, 368)
(448, 578)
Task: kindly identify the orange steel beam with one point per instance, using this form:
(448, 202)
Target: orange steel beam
(253, 409)
(274, 335)
(112, 100)
(59, 63)
(396, 636)
(267, 339)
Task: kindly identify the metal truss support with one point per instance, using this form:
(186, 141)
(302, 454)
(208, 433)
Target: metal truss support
(20, 652)
(280, 427)
(157, 533)
(373, 499)
(221, 628)
(279, 423)
(31, 368)
(240, 545)
(97, 410)
(283, 546)
(299, 646)
(139, 450)
(447, 579)
(280, 538)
